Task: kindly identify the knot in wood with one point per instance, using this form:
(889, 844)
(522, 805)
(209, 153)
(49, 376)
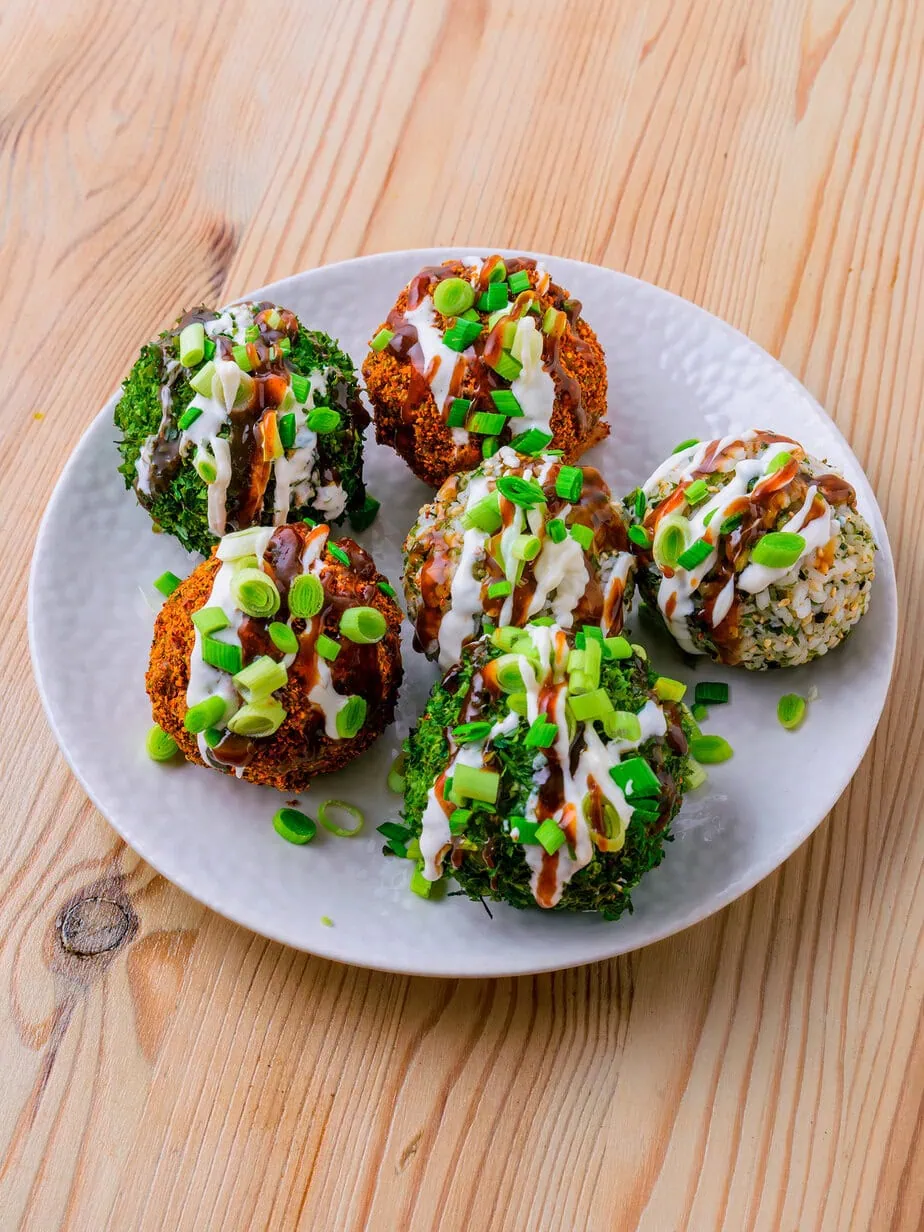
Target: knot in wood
(94, 926)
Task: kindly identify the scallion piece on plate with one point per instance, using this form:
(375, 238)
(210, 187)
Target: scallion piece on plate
(254, 593)
(283, 637)
(294, 826)
(669, 690)
(569, 483)
(556, 530)
(167, 583)
(531, 442)
(210, 620)
(341, 806)
(484, 515)
(261, 678)
(323, 420)
(709, 750)
(582, 534)
(639, 536)
(709, 692)
(778, 550)
(474, 783)
(485, 423)
(207, 713)
(467, 733)
(790, 710)
(506, 403)
(453, 296)
(160, 746)
(458, 412)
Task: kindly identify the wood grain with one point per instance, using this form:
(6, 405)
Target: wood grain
(761, 1071)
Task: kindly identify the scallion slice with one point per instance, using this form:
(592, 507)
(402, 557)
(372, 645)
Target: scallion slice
(484, 423)
(395, 781)
(518, 282)
(210, 620)
(639, 536)
(550, 835)
(709, 692)
(382, 339)
(694, 440)
(623, 725)
(160, 746)
(695, 554)
(207, 713)
(569, 483)
(582, 534)
(790, 710)
(420, 885)
(242, 357)
(542, 734)
(556, 530)
(192, 344)
(258, 719)
(201, 381)
(254, 593)
(778, 461)
(326, 647)
(458, 412)
(500, 590)
(453, 296)
(294, 826)
(709, 750)
(351, 717)
(306, 596)
(696, 492)
(635, 778)
(526, 547)
(468, 733)
(473, 783)
(323, 420)
(506, 403)
(338, 554)
(283, 637)
(617, 647)
(225, 656)
(300, 387)
(778, 550)
(167, 583)
(287, 430)
(731, 523)
(189, 417)
(508, 369)
(461, 334)
(532, 442)
(490, 446)
(363, 625)
(586, 707)
(261, 678)
(484, 515)
(670, 541)
(493, 298)
(340, 806)
(523, 492)
(362, 518)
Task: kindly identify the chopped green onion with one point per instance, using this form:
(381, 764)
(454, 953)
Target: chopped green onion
(420, 885)
(208, 349)
(618, 647)
(556, 530)
(640, 651)
(458, 820)
(696, 492)
(167, 583)
(213, 737)
(189, 417)
(461, 334)
(778, 550)
(286, 427)
(623, 725)
(569, 483)
(160, 746)
(490, 446)
(778, 462)
(700, 712)
(453, 296)
(509, 676)
(387, 589)
(523, 492)
(709, 692)
(498, 271)
(473, 783)
(493, 298)
(257, 719)
(380, 341)
(284, 345)
(306, 596)
(695, 554)
(241, 357)
(694, 440)
(554, 322)
(201, 381)
(507, 637)
(205, 466)
(668, 690)
(467, 733)
(226, 656)
(458, 412)
(526, 547)
(362, 518)
(326, 647)
(192, 344)
(518, 282)
(294, 826)
(396, 776)
(486, 424)
(639, 536)
(351, 717)
(708, 517)
(790, 710)
(283, 638)
(322, 420)
(273, 319)
(363, 625)
(251, 333)
(508, 369)
(586, 707)
(210, 620)
(646, 815)
(205, 714)
(500, 590)
(635, 778)
(469, 315)
(300, 387)
(550, 835)
(497, 315)
(260, 678)
(542, 734)
(506, 403)
(341, 806)
(517, 703)
(531, 442)
(670, 541)
(484, 515)
(582, 534)
(710, 750)
(695, 776)
(727, 525)
(254, 593)
(641, 502)
(338, 553)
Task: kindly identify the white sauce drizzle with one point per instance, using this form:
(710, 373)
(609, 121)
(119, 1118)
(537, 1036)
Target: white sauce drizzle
(439, 360)
(533, 388)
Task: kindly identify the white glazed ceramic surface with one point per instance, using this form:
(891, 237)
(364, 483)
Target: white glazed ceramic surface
(674, 372)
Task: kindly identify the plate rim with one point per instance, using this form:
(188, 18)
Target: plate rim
(756, 873)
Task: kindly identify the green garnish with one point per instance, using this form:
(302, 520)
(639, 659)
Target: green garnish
(711, 692)
(509, 676)
(484, 515)
(159, 745)
(727, 525)
(327, 921)
(458, 412)
(209, 348)
(192, 344)
(506, 403)
(283, 345)
(207, 713)
(623, 725)
(226, 656)
(323, 421)
(710, 750)
(523, 492)
(189, 417)
(699, 712)
(790, 710)
(490, 446)
(300, 387)
(210, 620)
(473, 783)
(469, 315)
(493, 298)
(254, 593)
(261, 678)
(778, 462)
(486, 424)
(695, 554)
(550, 835)
(542, 734)
(306, 596)
(453, 296)
(241, 357)
(420, 885)
(286, 427)
(458, 820)
(213, 737)
(379, 342)
(641, 502)
(556, 530)
(283, 638)
(363, 625)
(617, 647)
(695, 776)
(639, 536)
(351, 717)
(205, 466)
(696, 492)
(467, 733)
(670, 540)
(526, 547)
(709, 516)
(508, 369)
(569, 483)
(338, 553)
(326, 647)
(778, 550)
(362, 518)
(167, 583)
(341, 806)
(395, 780)
(635, 778)
(294, 826)
(694, 440)
(531, 442)
(518, 282)
(668, 690)
(554, 322)
(387, 589)
(500, 590)
(201, 381)
(587, 707)
(252, 333)
(461, 334)
(498, 271)
(257, 719)
(582, 534)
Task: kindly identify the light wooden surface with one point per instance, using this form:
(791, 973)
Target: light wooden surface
(761, 1071)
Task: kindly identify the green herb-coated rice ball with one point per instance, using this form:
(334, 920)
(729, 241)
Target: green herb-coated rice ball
(546, 771)
(752, 551)
(238, 418)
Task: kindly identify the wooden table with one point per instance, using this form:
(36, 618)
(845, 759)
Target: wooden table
(763, 1070)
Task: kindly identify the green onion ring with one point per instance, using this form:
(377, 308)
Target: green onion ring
(340, 831)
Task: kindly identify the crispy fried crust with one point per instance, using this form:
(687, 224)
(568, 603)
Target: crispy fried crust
(285, 760)
(431, 452)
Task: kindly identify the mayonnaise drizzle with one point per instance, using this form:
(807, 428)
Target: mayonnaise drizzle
(439, 360)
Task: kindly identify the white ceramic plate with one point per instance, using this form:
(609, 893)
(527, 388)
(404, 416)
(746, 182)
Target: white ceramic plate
(674, 372)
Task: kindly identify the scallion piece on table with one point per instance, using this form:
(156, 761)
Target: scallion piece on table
(699, 711)
(306, 596)
(294, 826)
(420, 885)
(363, 625)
